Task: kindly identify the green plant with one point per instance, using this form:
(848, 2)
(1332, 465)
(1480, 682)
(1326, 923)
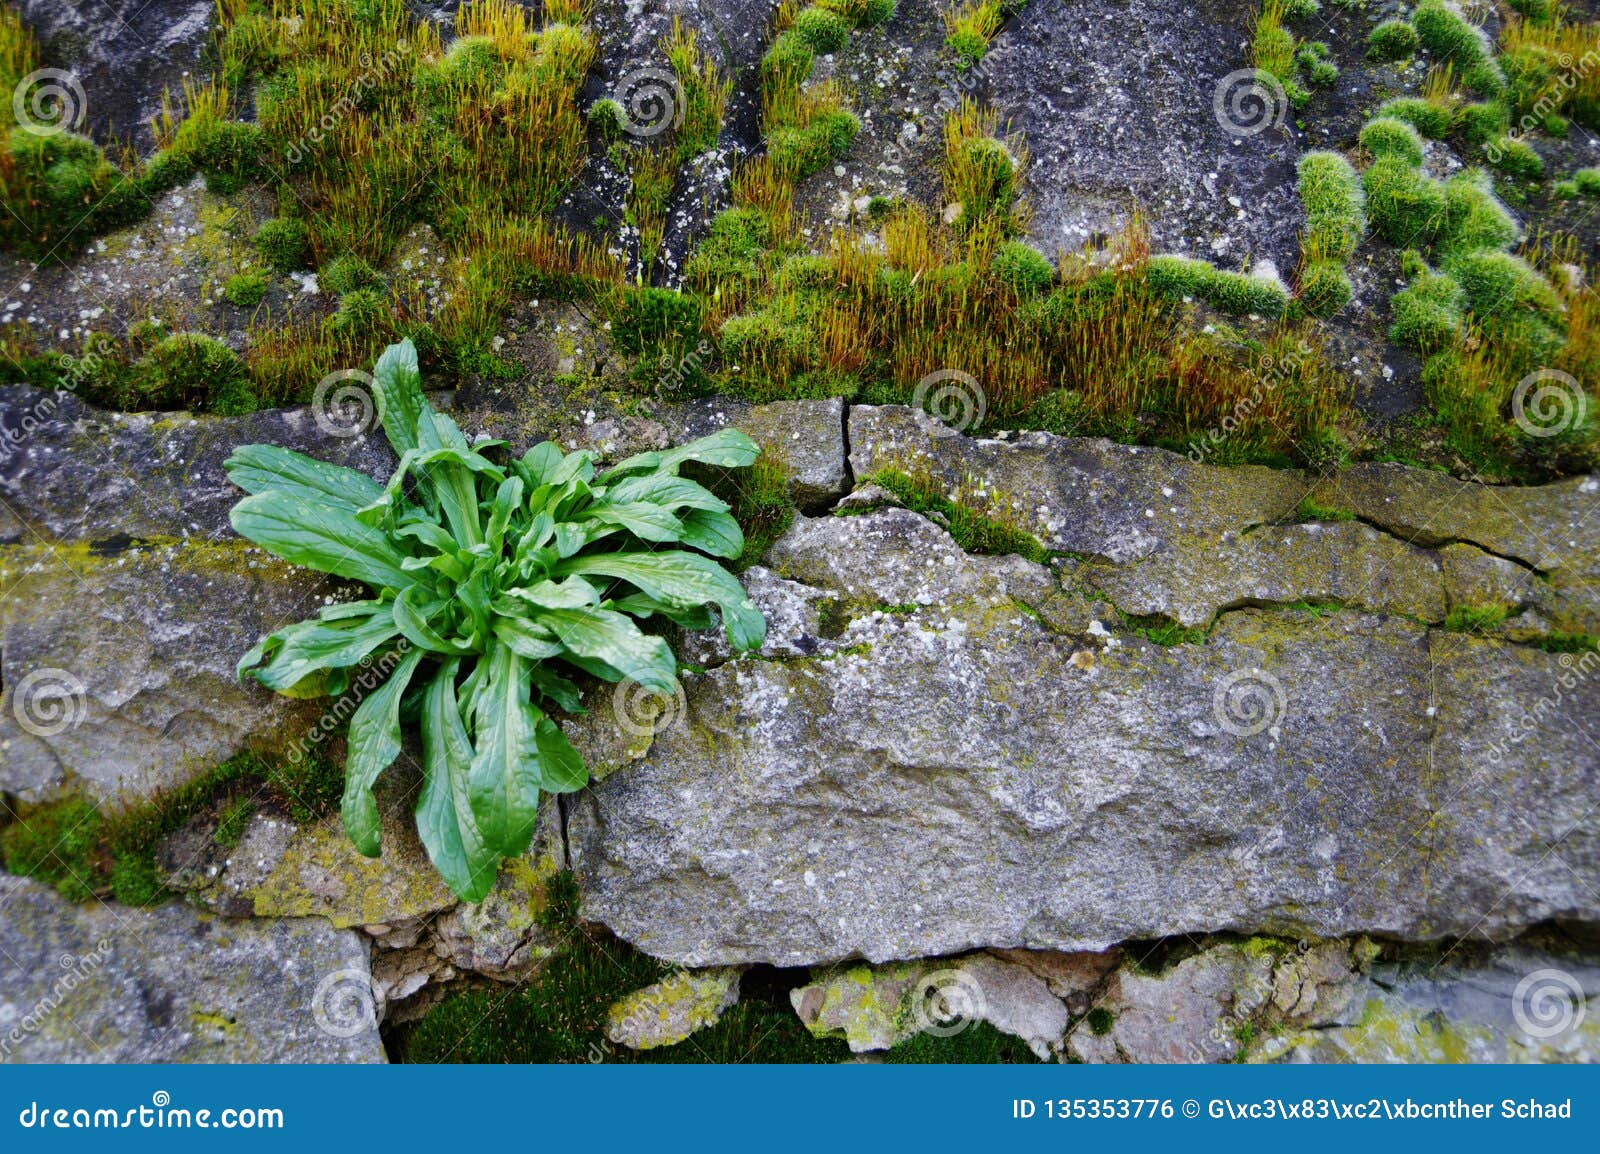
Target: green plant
(1515, 157)
(608, 118)
(1022, 268)
(1392, 40)
(1335, 206)
(284, 243)
(1443, 32)
(348, 274)
(1428, 313)
(1324, 288)
(1587, 181)
(823, 31)
(1390, 136)
(245, 290)
(1406, 206)
(1432, 119)
(491, 574)
(1483, 122)
(193, 371)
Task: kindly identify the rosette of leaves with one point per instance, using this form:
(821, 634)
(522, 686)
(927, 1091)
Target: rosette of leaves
(492, 582)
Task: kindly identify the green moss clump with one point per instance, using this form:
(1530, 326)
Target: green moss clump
(1022, 268)
(646, 319)
(1392, 40)
(1483, 122)
(245, 290)
(284, 243)
(1474, 217)
(823, 31)
(1164, 631)
(607, 118)
(193, 371)
(788, 62)
(1587, 181)
(1450, 38)
(1515, 157)
(730, 255)
(1390, 136)
(58, 192)
(1432, 120)
(1335, 206)
(804, 149)
(1428, 313)
(1324, 288)
(1499, 284)
(1179, 277)
(973, 530)
(1239, 294)
(348, 274)
(1100, 1021)
(978, 1044)
(1475, 619)
(59, 845)
(1406, 207)
(84, 853)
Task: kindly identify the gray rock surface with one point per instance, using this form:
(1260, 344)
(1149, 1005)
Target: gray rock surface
(953, 774)
(124, 53)
(109, 984)
(669, 1011)
(1116, 99)
(118, 663)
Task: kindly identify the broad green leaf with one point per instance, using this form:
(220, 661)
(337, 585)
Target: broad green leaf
(505, 775)
(638, 605)
(320, 536)
(310, 647)
(726, 448)
(611, 638)
(715, 533)
(558, 689)
(541, 462)
(507, 503)
(257, 468)
(413, 612)
(397, 384)
(374, 743)
(573, 593)
(444, 809)
(683, 579)
(526, 639)
(667, 491)
(645, 521)
(561, 769)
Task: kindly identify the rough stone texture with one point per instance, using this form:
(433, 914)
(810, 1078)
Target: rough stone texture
(77, 473)
(1268, 1000)
(282, 870)
(875, 1007)
(672, 1009)
(1115, 99)
(125, 53)
(1162, 534)
(958, 776)
(173, 984)
(118, 667)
